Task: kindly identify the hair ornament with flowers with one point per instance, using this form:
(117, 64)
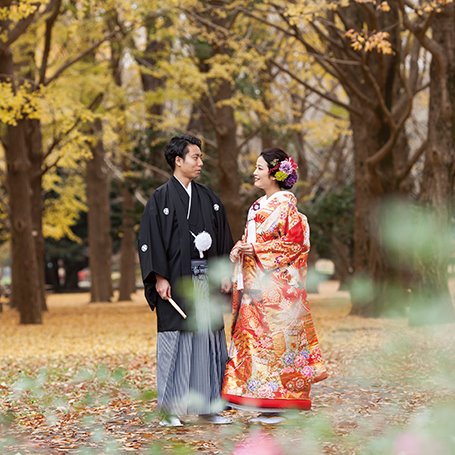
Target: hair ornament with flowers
(284, 171)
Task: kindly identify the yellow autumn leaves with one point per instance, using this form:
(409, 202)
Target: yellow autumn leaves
(17, 11)
(18, 103)
(378, 41)
(76, 328)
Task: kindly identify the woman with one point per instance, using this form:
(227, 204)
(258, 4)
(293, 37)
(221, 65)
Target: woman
(274, 353)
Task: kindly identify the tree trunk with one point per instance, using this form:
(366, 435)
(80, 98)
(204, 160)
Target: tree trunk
(25, 274)
(226, 152)
(200, 124)
(228, 169)
(440, 166)
(25, 65)
(51, 275)
(372, 191)
(99, 238)
(35, 153)
(128, 248)
(377, 183)
(71, 274)
(220, 114)
(342, 261)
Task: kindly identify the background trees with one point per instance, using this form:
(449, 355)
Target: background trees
(361, 93)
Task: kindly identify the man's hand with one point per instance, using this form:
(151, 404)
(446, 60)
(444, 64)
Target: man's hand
(163, 287)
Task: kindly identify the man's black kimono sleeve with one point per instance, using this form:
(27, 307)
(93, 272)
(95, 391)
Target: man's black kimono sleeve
(152, 251)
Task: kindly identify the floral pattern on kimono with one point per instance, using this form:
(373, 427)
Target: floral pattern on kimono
(274, 352)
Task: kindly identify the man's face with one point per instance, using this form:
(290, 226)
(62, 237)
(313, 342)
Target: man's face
(191, 165)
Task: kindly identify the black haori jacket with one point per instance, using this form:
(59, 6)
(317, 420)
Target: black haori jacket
(165, 246)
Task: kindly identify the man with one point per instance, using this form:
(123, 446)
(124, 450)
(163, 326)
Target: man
(183, 226)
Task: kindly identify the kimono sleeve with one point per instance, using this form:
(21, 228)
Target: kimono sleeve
(291, 244)
(152, 251)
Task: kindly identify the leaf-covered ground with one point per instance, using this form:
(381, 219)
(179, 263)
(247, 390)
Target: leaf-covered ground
(83, 382)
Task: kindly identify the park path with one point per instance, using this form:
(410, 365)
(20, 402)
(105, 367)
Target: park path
(100, 364)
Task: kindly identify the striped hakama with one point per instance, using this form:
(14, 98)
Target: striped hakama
(190, 365)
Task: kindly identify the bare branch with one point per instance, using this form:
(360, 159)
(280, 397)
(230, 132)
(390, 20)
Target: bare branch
(326, 37)
(50, 22)
(18, 30)
(403, 173)
(266, 22)
(419, 29)
(328, 158)
(82, 55)
(379, 97)
(151, 167)
(334, 70)
(210, 24)
(48, 167)
(316, 106)
(120, 177)
(437, 51)
(314, 90)
(57, 141)
(396, 128)
(248, 138)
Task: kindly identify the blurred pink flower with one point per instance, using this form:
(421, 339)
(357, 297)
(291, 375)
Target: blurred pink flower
(409, 443)
(258, 443)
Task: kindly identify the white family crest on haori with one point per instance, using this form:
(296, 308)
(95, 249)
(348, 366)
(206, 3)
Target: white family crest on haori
(216, 207)
(202, 241)
(166, 211)
(144, 248)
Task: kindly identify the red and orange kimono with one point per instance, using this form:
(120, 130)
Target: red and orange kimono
(274, 354)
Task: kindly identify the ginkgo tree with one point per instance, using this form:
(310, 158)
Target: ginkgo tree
(29, 92)
(20, 103)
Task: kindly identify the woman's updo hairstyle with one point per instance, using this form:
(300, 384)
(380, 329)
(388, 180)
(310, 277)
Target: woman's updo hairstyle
(281, 166)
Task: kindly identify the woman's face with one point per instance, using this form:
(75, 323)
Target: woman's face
(262, 177)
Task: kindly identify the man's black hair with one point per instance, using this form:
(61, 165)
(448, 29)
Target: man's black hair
(178, 146)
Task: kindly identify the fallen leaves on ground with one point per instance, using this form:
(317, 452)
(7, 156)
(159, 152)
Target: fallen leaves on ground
(85, 381)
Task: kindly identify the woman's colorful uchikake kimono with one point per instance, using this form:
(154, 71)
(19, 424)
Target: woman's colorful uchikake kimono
(274, 354)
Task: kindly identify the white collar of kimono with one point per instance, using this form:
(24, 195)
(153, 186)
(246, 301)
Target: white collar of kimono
(202, 241)
(188, 190)
(263, 201)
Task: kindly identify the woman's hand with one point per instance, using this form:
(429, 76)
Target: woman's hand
(235, 252)
(247, 249)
